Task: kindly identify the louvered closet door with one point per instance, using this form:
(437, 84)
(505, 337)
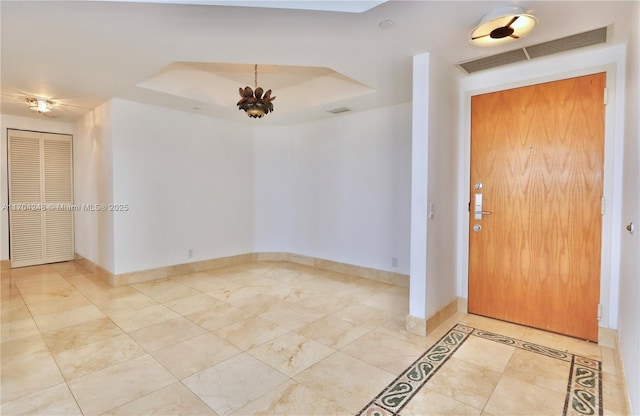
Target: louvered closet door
(40, 195)
(26, 233)
(58, 196)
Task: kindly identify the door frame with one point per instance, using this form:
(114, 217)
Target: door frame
(614, 117)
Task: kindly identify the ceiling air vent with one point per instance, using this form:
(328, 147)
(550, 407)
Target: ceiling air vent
(580, 40)
(592, 37)
(339, 110)
(495, 60)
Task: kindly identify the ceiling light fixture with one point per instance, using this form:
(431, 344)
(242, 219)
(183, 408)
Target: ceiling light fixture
(502, 25)
(255, 104)
(40, 105)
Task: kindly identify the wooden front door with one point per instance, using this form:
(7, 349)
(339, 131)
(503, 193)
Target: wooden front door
(537, 162)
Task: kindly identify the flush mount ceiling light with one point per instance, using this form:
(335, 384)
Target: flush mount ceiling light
(254, 103)
(502, 25)
(39, 104)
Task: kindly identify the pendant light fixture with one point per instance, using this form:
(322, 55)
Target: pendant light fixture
(255, 103)
(502, 25)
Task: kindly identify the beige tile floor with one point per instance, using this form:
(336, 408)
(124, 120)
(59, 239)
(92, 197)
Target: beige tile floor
(257, 339)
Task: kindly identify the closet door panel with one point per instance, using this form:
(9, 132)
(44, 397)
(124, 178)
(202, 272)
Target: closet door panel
(25, 200)
(58, 197)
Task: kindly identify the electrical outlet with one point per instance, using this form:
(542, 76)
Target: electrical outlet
(394, 262)
(190, 253)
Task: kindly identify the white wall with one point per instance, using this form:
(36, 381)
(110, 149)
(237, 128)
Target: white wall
(610, 59)
(93, 184)
(43, 124)
(337, 189)
(274, 206)
(442, 187)
(433, 187)
(419, 186)
(629, 310)
(334, 189)
(351, 188)
(188, 183)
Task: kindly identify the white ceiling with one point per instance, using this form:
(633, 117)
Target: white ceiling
(80, 54)
(347, 6)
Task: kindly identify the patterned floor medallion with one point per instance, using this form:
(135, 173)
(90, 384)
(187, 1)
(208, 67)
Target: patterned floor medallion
(584, 389)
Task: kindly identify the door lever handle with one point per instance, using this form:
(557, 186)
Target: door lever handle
(477, 205)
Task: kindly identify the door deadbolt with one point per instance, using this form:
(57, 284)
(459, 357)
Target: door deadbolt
(477, 227)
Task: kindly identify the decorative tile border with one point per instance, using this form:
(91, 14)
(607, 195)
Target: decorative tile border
(523, 345)
(584, 389)
(401, 390)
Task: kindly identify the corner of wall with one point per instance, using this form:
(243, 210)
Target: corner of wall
(93, 184)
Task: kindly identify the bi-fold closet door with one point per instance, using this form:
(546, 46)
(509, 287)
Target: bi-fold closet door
(40, 197)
